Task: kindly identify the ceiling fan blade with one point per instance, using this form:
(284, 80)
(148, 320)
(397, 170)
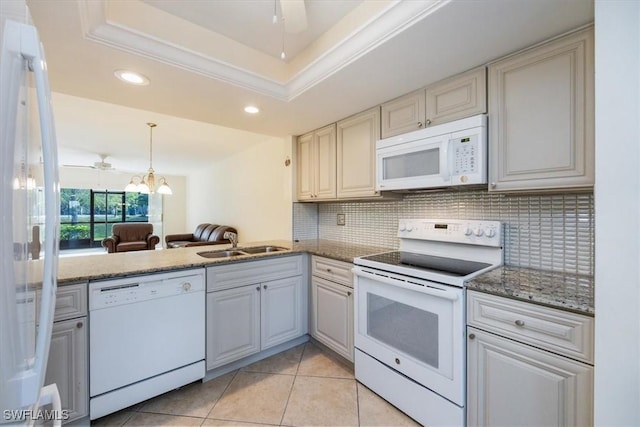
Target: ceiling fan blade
(294, 14)
(79, 166)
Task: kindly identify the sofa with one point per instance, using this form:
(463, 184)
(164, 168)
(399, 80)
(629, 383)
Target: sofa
(131, 236)
(204, 234)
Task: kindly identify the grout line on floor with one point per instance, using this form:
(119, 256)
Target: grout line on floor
(223, 391)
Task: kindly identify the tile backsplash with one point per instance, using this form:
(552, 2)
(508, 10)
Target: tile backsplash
(550, 232)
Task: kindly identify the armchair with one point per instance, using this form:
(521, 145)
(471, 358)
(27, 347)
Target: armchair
(131, 237)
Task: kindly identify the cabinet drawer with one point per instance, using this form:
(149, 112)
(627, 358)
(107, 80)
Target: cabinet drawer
(555, 330)
(337, 271)
(71, 301)
(250, 272)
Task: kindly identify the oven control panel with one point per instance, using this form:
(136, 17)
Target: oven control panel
(485, 233)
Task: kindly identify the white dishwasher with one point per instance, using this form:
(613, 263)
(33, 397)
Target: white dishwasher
(147, 336)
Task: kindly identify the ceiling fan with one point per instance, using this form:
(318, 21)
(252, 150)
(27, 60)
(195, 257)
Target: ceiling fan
(101, 165)
(294, 15)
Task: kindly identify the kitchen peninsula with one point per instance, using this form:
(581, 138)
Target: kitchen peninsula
(107, 266)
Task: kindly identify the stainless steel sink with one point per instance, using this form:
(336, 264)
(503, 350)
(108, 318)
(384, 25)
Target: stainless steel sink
(262, 249)
(220, 254)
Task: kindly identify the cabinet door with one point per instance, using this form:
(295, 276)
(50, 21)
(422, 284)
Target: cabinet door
(357, 138)
(304, 167)
(233, 324)
(282, 311)
(67, 365)
(512, 384)
(404, 114)
(332, 316)
(460, 96)
(541, 103)
(325, 162)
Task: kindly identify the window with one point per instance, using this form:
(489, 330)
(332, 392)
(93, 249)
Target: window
(86, 216)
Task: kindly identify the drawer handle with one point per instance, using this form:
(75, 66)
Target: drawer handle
(79, 325)
(328, 270)
(519, 322)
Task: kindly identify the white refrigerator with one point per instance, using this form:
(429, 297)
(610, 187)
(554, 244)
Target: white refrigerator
(29, 211)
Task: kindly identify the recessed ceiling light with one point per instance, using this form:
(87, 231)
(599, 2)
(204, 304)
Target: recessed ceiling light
(132, 77)
(251, 109)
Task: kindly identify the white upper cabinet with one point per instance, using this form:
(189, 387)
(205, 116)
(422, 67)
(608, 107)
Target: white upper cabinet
(356, 142)
(457, 97)
(316, 164)
(404, 114)
(541, 116)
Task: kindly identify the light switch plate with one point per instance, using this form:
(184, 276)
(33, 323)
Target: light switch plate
(341, 219)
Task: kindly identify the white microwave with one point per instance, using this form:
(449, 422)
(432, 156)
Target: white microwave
(450, 154)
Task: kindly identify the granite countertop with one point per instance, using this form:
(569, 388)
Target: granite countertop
(570, 292)
(75, 269)
(337, 250)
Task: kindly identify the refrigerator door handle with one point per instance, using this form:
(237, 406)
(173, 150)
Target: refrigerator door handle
(33, 52)
(50, 395)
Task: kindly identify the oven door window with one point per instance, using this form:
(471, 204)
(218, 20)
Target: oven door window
(406, 328)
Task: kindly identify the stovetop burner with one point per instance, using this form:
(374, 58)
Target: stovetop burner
(448, 266)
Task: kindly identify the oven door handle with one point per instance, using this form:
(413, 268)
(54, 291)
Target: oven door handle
(425, 289)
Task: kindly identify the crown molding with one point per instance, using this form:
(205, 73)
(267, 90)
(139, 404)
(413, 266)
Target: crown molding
(391, 21)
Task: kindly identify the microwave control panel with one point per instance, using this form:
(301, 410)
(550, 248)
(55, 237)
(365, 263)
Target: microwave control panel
(468, 157)
(465, 155)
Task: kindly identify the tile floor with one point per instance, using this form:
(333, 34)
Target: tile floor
(303, 386)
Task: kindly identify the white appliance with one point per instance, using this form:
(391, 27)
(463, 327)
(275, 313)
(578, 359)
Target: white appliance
(146, 337)
(450, 154)
(409, 315)
(25, 202)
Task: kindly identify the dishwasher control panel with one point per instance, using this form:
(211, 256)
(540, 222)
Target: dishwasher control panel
(132, 290)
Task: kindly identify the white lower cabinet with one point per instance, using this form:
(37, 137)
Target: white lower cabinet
(233, 324)
(245, 319)
(67, 365)
(512, 384)
(521, 367)
(332, 305)
(332, 316)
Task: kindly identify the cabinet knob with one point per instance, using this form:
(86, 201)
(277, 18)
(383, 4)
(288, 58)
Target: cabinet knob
(420, 124)
(328, 270)
(258, 288)
(79, 325)
(265, 286)
(428, 122)
(348, 294)
(519, 322)
(493, 185)
(472, 336)
(397, 361)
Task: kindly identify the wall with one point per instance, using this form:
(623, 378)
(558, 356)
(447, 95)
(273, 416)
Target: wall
(617, 351)
(551, 232)
(250, 190)
(174, 216)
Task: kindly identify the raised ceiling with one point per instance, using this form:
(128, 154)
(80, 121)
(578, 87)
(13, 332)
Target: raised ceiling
(206, 60)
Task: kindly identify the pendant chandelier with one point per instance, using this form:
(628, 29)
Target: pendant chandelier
(147, 182)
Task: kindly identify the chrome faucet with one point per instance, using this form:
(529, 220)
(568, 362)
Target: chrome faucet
(232, 237)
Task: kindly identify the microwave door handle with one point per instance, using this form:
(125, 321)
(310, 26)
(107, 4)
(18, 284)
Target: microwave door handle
(445, 158)
(436, 292)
